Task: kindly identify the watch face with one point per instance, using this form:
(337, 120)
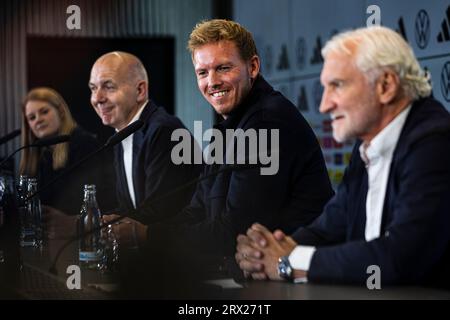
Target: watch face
(284, 268)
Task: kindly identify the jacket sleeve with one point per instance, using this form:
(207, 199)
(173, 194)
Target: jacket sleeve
(419, 233)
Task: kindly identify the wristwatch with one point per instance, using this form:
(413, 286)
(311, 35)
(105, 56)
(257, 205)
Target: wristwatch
(284, 268)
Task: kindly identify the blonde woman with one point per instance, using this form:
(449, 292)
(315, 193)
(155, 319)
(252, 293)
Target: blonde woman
(46, 114)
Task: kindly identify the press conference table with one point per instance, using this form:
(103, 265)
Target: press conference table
(287, 291)
(37, 283)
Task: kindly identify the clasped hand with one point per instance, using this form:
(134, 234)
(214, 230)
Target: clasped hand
(259, 250)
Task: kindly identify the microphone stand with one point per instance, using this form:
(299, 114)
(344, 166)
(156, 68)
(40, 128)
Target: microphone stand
(9, 136)
(113, 140)
(40, 143)
(21, 148)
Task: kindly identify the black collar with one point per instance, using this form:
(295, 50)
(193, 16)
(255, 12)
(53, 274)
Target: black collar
(259, 88)
(149, 109)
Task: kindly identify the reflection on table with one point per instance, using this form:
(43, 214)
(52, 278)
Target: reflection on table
(37, 283)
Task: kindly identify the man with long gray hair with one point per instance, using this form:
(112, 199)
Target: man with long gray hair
(391, 211)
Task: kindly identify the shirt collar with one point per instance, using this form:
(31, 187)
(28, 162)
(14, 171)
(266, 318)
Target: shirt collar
(384, 143)
(237, 114)
(137, 115)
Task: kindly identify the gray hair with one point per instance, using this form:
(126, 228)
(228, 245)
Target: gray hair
(380, 48)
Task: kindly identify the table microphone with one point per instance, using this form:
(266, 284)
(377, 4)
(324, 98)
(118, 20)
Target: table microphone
(124, 133)
(39, 143)
(112, 141)
(9, 136)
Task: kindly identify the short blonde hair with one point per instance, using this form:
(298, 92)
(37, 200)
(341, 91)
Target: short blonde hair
(212, 31)
(30, 156)
(379, 48)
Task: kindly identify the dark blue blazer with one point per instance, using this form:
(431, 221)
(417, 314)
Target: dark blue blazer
(413, 246)
(154, 173)
(227, 204)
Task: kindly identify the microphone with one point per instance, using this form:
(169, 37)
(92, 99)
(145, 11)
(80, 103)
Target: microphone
(113, 140)
(124, 133)
(9, 136)
(39, 143)
(50, 141)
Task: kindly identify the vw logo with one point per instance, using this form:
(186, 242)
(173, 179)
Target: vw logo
(422, 29)
(445, 81)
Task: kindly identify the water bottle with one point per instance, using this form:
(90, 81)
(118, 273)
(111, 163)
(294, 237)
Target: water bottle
(90, 249)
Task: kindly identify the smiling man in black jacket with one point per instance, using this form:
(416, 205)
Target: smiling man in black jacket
(287, 193)
(291, 194)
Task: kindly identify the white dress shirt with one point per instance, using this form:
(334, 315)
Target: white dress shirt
(378, 157)
(127, 145)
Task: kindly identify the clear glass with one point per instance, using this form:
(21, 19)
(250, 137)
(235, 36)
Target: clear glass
(22, 185)
(30, 215)
(2, 192)
(110, 258)
(22, 208)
